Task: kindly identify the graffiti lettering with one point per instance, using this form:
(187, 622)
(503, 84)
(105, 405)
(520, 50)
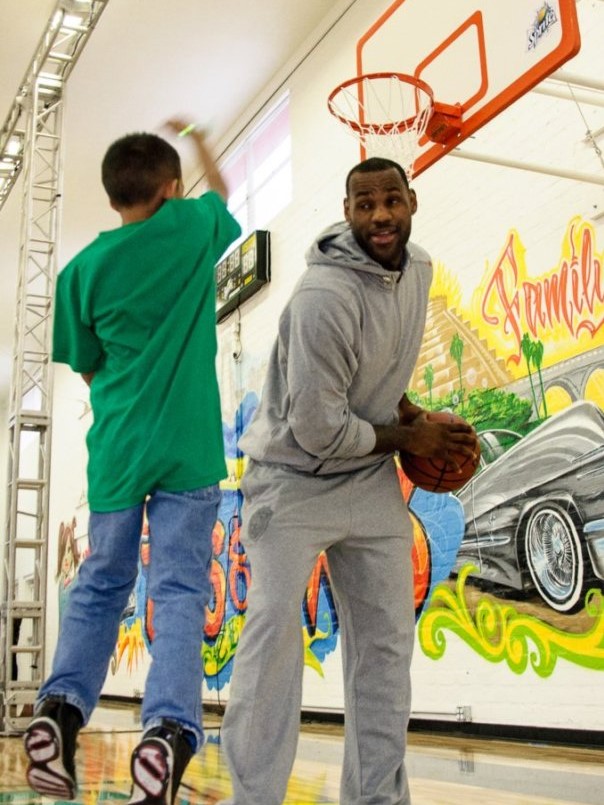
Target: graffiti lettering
(575, 289)
(239, 570)
(508, 298)
(310, 606)
(570, 296)
(216, 606)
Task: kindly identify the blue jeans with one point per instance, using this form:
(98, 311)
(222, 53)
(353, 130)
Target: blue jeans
(180, 530)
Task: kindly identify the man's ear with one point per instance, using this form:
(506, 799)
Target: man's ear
(413, 199)
(347, 209)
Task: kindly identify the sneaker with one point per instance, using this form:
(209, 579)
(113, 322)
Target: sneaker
(158, 763)
(50, 744)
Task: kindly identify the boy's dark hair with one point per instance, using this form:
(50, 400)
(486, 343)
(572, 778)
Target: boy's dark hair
(135, 167)
(374, 164)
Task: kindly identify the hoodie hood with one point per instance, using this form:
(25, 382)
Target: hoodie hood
(337, 246)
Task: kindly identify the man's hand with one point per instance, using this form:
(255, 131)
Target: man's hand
(407, 411)
(422, 437)
(442, 440)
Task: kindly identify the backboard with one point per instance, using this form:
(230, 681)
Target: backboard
(477, 55)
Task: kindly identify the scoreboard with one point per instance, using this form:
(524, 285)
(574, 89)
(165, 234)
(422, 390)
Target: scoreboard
(242, 272)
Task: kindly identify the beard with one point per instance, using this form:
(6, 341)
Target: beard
(385, 245)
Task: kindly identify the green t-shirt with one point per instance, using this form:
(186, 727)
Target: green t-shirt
(138, 308)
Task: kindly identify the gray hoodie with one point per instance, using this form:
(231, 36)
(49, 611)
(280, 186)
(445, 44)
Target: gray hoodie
(347, 345)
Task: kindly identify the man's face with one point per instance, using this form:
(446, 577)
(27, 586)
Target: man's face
(378, 208)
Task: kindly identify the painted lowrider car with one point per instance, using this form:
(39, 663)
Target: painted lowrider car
(534, 512)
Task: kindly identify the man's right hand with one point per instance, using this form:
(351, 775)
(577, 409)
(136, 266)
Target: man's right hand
(423, 437)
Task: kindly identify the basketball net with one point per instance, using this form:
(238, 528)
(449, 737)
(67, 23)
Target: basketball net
(388, 113)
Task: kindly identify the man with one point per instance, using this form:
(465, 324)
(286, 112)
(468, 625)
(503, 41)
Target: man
(321, 477)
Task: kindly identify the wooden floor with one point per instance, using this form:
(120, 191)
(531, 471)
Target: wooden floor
(442, 770)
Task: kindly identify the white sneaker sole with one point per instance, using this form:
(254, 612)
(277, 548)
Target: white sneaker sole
(151, 768)
(46, 773)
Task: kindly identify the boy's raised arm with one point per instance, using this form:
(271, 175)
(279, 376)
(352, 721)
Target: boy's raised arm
(207, 163)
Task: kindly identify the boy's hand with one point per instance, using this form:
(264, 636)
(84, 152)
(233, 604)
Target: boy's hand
(206, 161)
(181, 127)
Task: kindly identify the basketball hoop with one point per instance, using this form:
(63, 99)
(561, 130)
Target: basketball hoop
(387, 113)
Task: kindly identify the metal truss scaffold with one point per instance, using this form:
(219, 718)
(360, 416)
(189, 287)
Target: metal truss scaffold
(31, 144)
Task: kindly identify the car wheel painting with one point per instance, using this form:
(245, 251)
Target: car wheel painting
(554, 558)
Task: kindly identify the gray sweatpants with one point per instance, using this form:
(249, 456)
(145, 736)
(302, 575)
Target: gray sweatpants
(362, 523)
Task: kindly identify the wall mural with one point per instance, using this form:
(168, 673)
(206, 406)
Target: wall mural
(513, 563)
(68, 558)
(68, 561)
(534, 512)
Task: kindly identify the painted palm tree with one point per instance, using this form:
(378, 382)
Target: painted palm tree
(526, 346)
(456, 352)
(537, 356)
(429, 381)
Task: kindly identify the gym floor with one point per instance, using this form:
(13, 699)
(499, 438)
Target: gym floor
(443, 770)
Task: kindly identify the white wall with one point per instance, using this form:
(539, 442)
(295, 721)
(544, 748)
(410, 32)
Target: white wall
(466, 210)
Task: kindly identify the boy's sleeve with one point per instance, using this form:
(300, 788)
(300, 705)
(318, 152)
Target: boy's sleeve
(74, 343)
(226, 228)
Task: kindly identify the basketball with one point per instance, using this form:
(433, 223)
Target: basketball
(431, 474)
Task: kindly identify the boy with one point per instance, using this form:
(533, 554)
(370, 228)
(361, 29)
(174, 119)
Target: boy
(135, 315)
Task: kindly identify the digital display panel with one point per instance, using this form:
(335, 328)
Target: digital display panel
(242, 272)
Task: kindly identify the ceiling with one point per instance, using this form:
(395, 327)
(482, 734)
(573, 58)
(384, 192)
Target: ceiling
(145, 61)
